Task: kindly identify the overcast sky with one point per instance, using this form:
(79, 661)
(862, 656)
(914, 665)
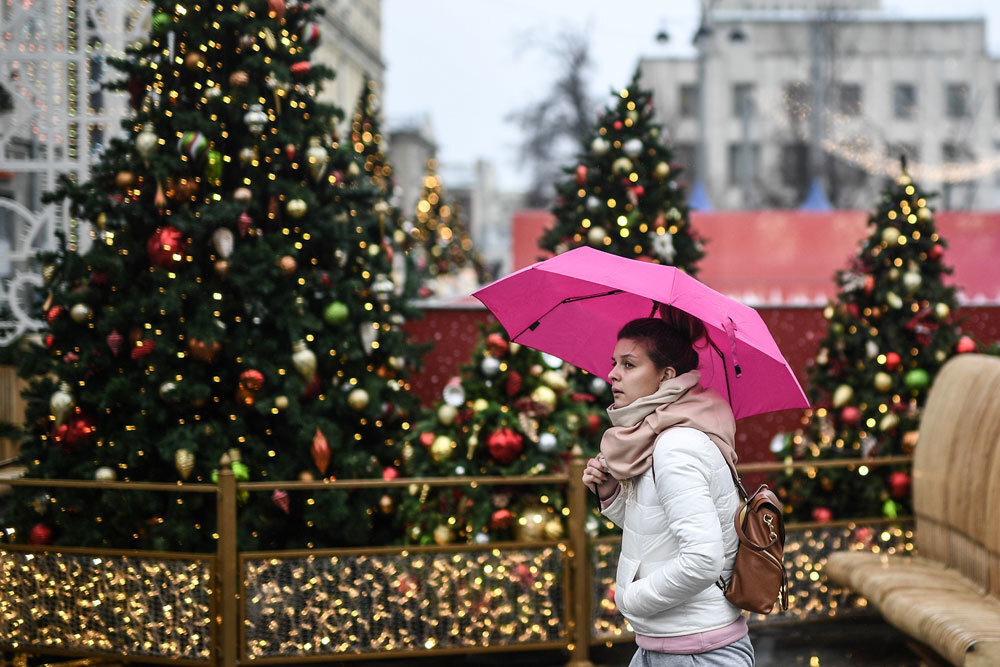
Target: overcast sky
(467, 64)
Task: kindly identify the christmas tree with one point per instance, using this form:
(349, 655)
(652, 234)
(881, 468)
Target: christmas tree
(889, 331)
(441, 247)
(623, 195)
(511, 411)
(236, 300)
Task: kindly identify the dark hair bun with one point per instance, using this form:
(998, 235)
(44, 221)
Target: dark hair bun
(669, 339)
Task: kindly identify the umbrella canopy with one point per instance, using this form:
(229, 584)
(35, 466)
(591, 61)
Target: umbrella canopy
(573, 305)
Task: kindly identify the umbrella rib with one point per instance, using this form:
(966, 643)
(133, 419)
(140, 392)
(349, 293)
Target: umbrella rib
(725, 373)
(569, 299)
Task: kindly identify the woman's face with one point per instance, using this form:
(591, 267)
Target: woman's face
(633, 374)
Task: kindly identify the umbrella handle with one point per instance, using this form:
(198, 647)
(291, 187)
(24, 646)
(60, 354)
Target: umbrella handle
(730, 328)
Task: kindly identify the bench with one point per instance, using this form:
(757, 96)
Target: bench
(947, 596)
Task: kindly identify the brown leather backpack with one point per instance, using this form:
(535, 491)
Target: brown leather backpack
(759, 578)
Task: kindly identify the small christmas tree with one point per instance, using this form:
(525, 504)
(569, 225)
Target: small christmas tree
(891, 328)
(236, 300)
(442, 249)
(366, 137)
(623, 196)
(511, 411)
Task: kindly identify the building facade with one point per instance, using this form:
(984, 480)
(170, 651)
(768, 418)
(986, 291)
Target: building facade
(352, 46)
(802, 90)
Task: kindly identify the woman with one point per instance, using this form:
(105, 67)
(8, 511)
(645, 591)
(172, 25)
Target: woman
(663, 477)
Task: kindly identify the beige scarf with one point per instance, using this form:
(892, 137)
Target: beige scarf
(627, 447)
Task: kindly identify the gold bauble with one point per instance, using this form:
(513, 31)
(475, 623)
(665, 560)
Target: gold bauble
(222, 268)
(124, 179)
(883, 381)
(358, 399)
(530, 525)
(480, 404)
(441, 448)
(239, 79)
(555, 380)
(307, 476)
(904, 180)
(544, 395)
(297, 208)
(288, 264)
(661, 170)
(843, 395)
(554, 529)
(910, 441)
(443, 535)
(407, 452)
(889, 422)
(446, 414)
(184, 462)
(387, 504)
(194, 60)
(281, 402)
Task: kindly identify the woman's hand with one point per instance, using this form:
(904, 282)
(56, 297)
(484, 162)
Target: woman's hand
(595, 475)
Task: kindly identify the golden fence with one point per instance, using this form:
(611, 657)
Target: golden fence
(11, 407)
(228, 607)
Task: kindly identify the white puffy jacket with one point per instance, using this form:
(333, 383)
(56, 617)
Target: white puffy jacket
(677, 538)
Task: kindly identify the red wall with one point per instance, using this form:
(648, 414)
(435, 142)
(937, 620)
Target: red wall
(797, 331)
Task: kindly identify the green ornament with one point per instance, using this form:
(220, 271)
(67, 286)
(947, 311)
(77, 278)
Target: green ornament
(336, 313)
(161, 20)
(213, 168)
(890, 509)
(240, 471)
(917, 379)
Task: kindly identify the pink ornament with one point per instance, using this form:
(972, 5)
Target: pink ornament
(301, 68)
(389, 473)
(899, 484)
(850, 415)
(40, 534)
(581, 174)
(822, 515)
(244, 223)
(965, 345)
(280, 499)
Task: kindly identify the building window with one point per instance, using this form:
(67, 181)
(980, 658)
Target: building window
(6, 101)
(998, 99)
(849, 99)
(904, 100)
(956, 152)
(742, 99)
(744, 163)
(795, 165)
(689, 100)
(797, 98)
(684, 155)
(957, 100)
(894, 151)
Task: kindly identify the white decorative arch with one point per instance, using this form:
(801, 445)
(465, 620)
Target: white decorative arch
(53, 59)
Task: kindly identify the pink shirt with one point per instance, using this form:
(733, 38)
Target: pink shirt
(699, 642)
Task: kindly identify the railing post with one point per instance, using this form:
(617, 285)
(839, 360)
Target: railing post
(228, 558)
(581, 578)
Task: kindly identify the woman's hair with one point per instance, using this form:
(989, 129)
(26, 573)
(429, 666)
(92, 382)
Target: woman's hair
(669, 339)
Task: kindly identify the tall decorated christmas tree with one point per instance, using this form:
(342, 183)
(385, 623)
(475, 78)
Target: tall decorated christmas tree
(889, 331)
(441, 247)
(512, 411)
(235, 301)
(623, 195)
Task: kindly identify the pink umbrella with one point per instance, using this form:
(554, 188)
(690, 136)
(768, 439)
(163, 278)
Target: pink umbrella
(573, 305)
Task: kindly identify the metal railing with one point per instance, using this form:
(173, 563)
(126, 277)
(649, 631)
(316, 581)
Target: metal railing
(228, 602)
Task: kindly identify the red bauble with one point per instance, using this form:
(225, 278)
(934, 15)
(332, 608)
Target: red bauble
(497, 345)
(143, 348)
(505, 445)
(892, 361)
(49, 340)
(513, 383)
(312, 389)
(81, 427)
(822, 515)
(40, 534)
(55, 312)
(320, 451)
(850, 415)
(301, 68)
(252, 379)
(639, 190)
(243, 223)
(593, 423)
(935, 252)
(899, 484)
(166, 247)
(276, 9)
(426, 438)
(852, 308)
(581, 174)
(389, 473)
(501, 520)
(618, 125)
(965, 345)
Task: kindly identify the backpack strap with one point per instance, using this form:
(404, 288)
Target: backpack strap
(736, 479)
